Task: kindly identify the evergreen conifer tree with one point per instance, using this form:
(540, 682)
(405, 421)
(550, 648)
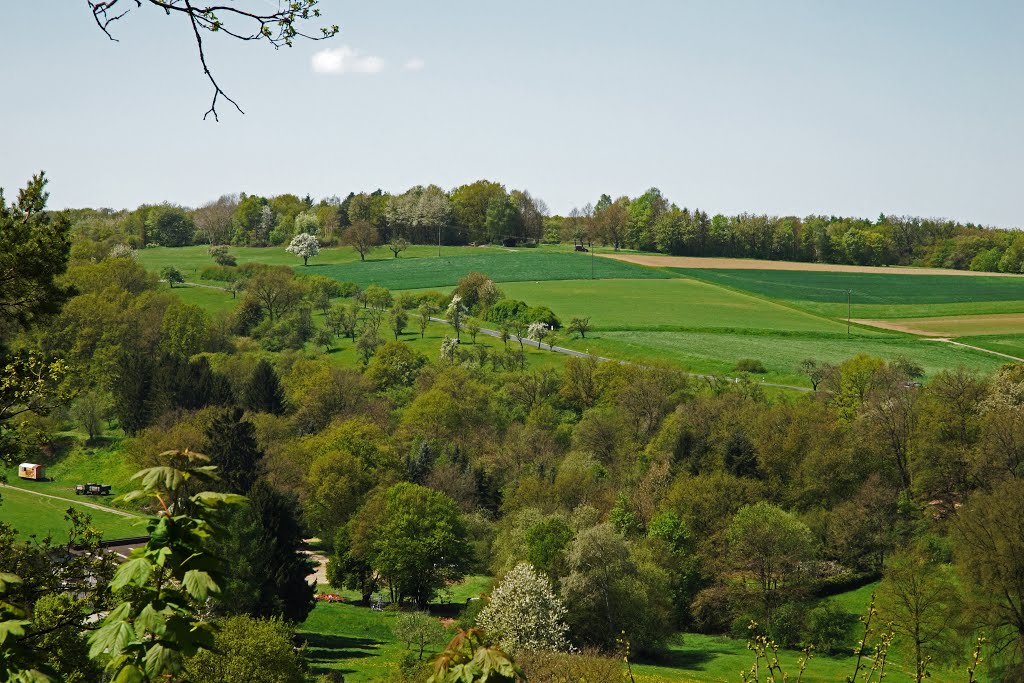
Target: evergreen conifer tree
(263, 393)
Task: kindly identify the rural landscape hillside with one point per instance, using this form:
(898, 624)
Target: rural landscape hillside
(311, 385)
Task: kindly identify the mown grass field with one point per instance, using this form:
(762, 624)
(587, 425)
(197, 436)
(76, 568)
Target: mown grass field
(877, 296)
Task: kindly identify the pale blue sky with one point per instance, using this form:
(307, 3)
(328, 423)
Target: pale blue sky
(850, 108)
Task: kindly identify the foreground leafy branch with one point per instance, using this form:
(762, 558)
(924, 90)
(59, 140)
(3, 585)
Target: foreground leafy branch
(147, 636)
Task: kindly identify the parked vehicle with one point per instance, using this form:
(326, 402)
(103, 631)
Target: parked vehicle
(92, 489)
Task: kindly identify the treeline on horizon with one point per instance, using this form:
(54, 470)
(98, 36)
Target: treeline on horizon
(485, 212)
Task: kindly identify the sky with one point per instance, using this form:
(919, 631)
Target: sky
(846, 108)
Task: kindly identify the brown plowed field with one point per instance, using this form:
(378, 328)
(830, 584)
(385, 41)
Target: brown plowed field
(757, 264)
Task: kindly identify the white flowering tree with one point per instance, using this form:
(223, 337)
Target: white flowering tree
(537, 332)
(455, 315)
(525, 614)
(305, 246)
(449, 347)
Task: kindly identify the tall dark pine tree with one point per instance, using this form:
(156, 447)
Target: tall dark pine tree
(269, 574)
(231, 445)
(133, 392)
(262, 393)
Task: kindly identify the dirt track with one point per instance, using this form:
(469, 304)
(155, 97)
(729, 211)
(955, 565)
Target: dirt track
(757, 264)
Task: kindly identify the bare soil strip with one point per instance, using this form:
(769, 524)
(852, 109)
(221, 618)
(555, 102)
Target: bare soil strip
(757, 264)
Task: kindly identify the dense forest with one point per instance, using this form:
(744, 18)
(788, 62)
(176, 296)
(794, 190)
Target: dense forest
(633, 501)
(484, 212)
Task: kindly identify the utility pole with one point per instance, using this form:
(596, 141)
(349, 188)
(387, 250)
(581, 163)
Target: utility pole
(591, 259)
(849, 310)
(439, 241)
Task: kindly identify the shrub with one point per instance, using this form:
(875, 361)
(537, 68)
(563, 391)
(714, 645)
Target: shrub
(588, 666)
(253, 650)
(219, 274)
(544, 315)
(830, 627)
(506, 310)
(750, 365)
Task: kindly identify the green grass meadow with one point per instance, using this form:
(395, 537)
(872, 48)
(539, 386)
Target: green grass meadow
(359, 643)
(39, 516)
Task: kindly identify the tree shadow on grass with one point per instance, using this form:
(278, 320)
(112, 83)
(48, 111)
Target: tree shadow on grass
(688, 659)
(326, 649)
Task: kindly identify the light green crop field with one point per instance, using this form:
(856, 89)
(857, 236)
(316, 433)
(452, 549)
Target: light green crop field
(499, 265)
(669, 305)
(36, 515)
(717, 353)
(876, 296)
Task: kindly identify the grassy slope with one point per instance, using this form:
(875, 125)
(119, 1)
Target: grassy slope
(73, 464)
(359, 643)
(30, 514)
(876, 296)
(344, 354)
(717, 353)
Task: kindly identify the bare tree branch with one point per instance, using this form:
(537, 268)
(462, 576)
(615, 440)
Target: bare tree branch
(278, 28)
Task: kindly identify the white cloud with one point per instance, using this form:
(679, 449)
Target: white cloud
(414, 64)
(346, 60)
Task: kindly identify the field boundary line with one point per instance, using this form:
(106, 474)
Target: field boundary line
(69, 501)
(583, 354)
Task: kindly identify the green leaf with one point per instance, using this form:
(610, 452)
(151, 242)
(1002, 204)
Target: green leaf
(150, 620)
(32, 676)
(214, 500)
(199, 584)
(12, 628)
(8, 580)
(115, 632)
(130, 673)
(161, 661)
(160, 478)
(135, 572)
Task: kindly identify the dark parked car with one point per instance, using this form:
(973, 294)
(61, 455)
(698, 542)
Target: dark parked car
(91, 489)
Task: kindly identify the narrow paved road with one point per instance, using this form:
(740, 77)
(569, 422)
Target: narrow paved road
(581, 354)
(70, 501)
